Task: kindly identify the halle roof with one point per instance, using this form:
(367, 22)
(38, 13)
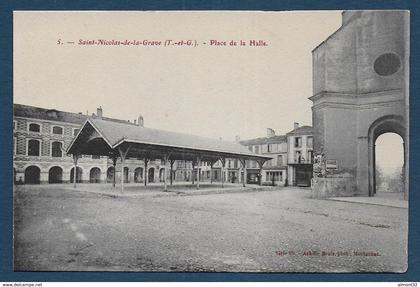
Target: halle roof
(116, 134)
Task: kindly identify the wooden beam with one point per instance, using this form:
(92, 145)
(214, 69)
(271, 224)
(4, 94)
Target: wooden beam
(165, 180)
(146, 172)
(198, 171)
(222, 161)
(192, 172)
(172, 161)
(243, 161)
(260, 164)
(75, 159)
(114, 164)
(123, 153)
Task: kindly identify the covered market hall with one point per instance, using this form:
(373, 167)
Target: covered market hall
(116, 140)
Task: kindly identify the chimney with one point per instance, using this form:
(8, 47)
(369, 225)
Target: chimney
(295, 125)
(141, 121)
(237, 138)
(270, 132)
(99, 112)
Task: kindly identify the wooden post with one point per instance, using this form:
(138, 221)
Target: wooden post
(123, 154)
(172, 169)
(146, 174)
(198, 172)
(244, 168)
(222, 161)
(75, 159)
(211, 172)
(192, 173)
(260, 164)
(165, 180)
(114, 164)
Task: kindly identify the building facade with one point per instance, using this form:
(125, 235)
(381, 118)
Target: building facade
(360, 91)
(274, 171)
(41, 137)
(300, 155)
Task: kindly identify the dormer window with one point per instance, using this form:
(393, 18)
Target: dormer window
(57, 130)
(34, 128)
(52, 113)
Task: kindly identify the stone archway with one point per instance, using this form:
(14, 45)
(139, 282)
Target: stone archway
(32, 175)
(138, 174)
(162, 175)
(386, 124)
(55, 175)
(95, 175)
(151, 175)
(110, 174)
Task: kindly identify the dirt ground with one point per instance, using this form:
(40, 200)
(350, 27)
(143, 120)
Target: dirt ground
(280, 230)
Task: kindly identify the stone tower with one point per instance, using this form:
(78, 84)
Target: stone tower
(360, 91)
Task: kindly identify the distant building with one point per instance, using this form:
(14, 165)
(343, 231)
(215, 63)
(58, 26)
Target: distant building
(41, 137)
(292, 157)
(300, 145)
(274, 170)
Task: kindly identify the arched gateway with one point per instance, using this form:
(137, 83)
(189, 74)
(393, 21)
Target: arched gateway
(386, 124)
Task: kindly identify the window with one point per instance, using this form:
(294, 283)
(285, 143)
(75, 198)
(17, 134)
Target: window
(96, 156)
(33, 148)
(298, 156)
(75, 131)
(387, 64)
(279, 160)
(298, 142)
(276, 175)
(34, 128)
(56, 150)
(310, 156)
(269, 148)
(57, 130)
(310, 143)
(250, 148)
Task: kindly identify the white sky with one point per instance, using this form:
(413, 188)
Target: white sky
(389, 152)
(209, 91)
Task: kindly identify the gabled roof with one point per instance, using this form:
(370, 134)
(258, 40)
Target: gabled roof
(264, 140)
(115, 134)
(303, 130)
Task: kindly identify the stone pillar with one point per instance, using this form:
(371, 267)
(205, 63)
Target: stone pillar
(44, 176)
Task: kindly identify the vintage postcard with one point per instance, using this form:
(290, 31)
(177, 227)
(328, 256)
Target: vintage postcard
(211, 141)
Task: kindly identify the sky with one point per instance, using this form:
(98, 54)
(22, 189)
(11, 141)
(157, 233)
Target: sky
(208, 90)
(389, 153)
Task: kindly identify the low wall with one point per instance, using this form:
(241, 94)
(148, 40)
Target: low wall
(339, 185)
